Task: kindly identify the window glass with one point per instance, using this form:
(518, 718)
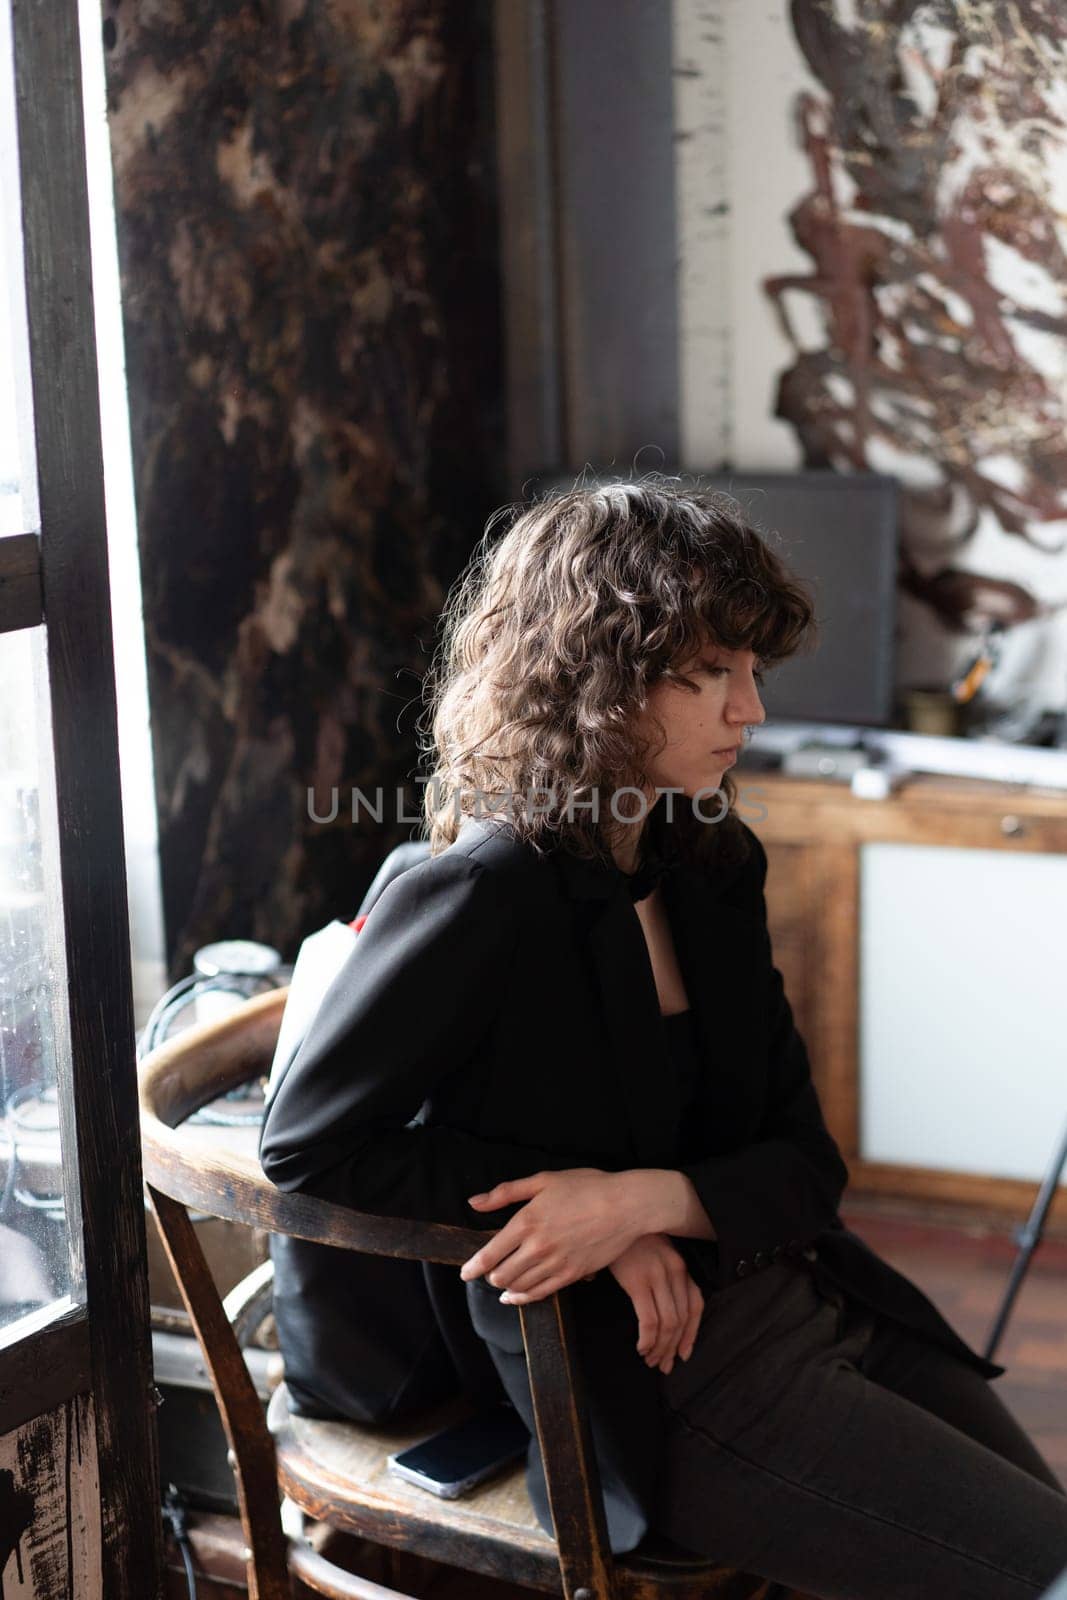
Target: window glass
(18, 485)
(35, 1259)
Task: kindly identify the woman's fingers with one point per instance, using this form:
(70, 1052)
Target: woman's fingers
(677, 1275)
(666, 1300)
(501, 1246)
(522, 1239)
(684, 1307)
(537, 1290)
(653, 1297)
(664, 1312)
(505, 1194)
(647, 1321)
(656, 1280)
(522, 1269)
(670, 1319)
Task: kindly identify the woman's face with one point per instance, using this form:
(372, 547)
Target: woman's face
(703, 727)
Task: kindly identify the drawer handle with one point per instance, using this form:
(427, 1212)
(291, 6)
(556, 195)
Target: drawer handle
(1012, 826)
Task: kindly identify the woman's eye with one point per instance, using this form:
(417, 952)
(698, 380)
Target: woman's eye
(759, 676)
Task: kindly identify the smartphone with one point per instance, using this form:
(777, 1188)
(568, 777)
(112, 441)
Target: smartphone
(458, 1458)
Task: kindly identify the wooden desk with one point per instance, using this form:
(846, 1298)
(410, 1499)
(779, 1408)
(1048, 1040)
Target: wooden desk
(813, 831)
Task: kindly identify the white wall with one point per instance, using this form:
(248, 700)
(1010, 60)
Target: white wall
(702, 221)
(963, 1008)
(737, 70)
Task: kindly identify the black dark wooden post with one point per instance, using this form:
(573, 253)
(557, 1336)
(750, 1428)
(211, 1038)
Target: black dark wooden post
(95, 1031)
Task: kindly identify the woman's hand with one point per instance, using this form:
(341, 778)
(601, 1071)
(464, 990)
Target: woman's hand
(667, 1301)
(574, 1223)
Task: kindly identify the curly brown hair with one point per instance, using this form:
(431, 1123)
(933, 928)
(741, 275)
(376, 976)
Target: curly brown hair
(557, 629)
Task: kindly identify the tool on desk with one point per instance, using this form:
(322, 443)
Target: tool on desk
(967, 685)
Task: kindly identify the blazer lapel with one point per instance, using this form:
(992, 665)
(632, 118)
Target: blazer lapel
(717, 951)
(719, 955)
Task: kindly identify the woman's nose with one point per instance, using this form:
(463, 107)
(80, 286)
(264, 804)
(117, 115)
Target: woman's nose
(746, 705)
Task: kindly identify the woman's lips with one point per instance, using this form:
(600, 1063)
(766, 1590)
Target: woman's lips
(728, 757)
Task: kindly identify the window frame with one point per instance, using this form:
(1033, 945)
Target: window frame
(59, 576)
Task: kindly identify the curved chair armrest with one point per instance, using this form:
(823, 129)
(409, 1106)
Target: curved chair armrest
(184, 1169)
(204, 1062)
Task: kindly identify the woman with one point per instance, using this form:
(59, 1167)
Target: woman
(575, 995)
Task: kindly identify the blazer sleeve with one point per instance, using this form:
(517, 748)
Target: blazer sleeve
(412, 1003)
(776, 1193)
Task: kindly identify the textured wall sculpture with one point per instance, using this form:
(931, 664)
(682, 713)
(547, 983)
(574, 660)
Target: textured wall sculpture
(929, 336)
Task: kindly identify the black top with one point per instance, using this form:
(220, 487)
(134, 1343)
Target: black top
(682, 1042)
(680, 1033)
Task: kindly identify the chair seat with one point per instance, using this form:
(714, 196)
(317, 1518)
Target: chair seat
(336, 1472)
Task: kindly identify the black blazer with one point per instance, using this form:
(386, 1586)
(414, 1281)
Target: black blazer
(499, 1017)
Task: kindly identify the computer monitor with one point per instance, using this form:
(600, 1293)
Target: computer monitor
(839, 533)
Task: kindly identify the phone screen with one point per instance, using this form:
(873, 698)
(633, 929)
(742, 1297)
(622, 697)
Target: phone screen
(455, 1453)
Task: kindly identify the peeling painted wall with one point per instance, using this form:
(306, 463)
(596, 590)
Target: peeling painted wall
(50, 1507)
(701, 117)
(897, 295)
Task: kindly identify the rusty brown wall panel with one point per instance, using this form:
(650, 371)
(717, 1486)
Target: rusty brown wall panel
(307, 243)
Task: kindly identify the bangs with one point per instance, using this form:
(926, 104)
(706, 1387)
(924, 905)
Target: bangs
(755, 606)
(775, 624)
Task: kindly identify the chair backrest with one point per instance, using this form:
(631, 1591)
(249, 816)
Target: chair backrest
(183, 1170)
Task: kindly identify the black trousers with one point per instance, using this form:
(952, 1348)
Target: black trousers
(815, 1443)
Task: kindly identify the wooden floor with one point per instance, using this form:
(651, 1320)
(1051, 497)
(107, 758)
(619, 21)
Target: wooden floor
(965, 1272)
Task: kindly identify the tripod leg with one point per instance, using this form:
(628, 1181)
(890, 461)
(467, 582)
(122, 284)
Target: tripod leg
(1028, 1237)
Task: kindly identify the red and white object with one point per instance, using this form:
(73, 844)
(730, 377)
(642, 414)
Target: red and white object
(319, 960)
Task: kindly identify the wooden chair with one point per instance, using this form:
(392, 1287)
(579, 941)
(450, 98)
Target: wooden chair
(336, 1472)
